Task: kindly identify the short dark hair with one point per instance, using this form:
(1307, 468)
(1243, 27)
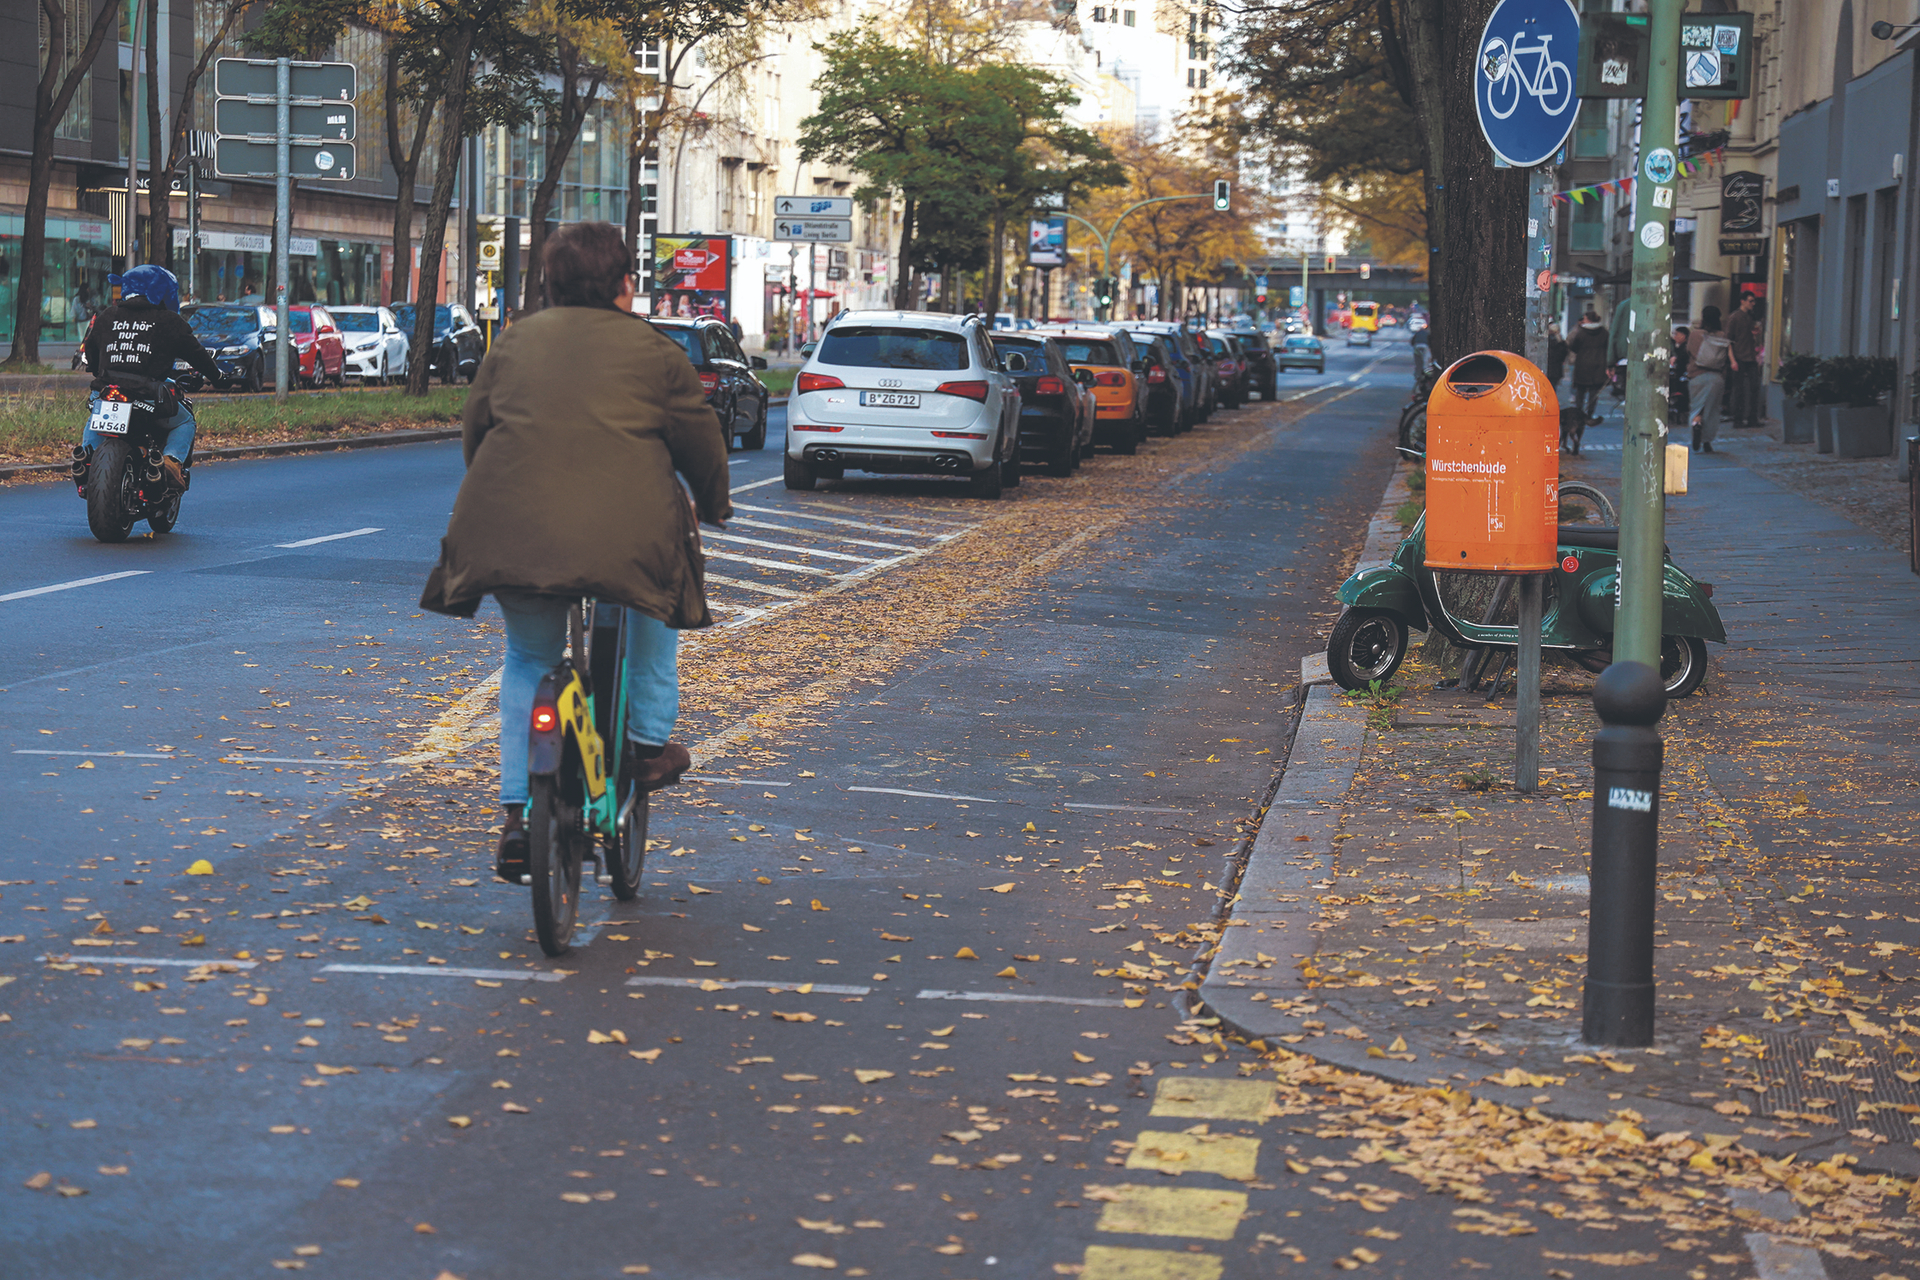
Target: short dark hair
(586, 264)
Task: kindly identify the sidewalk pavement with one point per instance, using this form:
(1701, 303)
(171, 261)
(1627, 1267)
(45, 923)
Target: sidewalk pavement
(1405, 912)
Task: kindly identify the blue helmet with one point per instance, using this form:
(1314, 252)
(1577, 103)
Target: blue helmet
(156, 284)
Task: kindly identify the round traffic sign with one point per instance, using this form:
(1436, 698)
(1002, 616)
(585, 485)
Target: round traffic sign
(1523, 79)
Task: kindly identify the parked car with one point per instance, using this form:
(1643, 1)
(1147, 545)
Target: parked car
(904, 393)
(1301, 351)
(1111, 364)
(728, 374)
(376, 349)
(319, 352)
(1262, 374)
(1229, 368)
(1196, 372)
(233, 334)
(458, 344)
(1162, 382)
(1057, 405)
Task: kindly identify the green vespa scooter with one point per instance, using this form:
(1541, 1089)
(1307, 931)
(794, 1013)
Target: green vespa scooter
(1477, 611)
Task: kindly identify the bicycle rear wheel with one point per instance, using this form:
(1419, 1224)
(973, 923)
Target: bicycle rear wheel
(553, 858)
(627, 855)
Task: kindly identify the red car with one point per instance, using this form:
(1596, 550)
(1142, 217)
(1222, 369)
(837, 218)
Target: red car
(320, 352)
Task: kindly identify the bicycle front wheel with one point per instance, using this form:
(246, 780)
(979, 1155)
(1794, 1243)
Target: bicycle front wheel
(553, 859)
(1503, 95)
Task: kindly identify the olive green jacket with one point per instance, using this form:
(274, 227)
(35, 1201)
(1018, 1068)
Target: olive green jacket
(575, 426)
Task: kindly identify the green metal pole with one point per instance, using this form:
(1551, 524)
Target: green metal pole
(1636, 630)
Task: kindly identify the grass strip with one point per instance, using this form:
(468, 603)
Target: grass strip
(779, 381)
(41, 426)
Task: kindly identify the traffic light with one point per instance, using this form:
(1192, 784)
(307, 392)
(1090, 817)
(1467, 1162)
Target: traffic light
(1329, 262)
(1222, 195)
(1366, 271)
(1103, 291)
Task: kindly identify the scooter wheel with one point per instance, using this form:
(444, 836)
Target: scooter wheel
(1366, 645)
(1683, 664)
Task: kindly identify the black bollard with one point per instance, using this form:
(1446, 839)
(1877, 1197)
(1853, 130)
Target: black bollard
(1626, 854)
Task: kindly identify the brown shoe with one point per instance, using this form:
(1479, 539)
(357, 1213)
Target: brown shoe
(175, 473)
(664, 769)
(510, 858)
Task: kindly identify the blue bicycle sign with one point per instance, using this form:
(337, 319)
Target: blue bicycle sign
(1523, 83)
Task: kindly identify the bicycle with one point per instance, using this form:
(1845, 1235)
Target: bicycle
(577, 808)
(1550, 80)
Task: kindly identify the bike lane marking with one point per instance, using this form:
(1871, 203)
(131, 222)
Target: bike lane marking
(77, 582)
(1016, 997)
(449, 971)
(102, 755)
(698, 985)
(330, 537)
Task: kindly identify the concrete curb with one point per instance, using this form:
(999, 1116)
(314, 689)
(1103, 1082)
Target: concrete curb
(270, 450)
(1271, 929)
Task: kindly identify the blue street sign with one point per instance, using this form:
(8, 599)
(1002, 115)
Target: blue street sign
(1524, 77)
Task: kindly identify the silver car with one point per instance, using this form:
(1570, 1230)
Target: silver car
(905, 393)
(376, 348)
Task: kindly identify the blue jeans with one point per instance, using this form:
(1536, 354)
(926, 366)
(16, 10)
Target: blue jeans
(179, 429)
(536, 640)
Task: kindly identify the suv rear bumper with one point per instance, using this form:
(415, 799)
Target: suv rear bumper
(891, 460)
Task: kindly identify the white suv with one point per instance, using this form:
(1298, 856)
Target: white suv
(906, 393)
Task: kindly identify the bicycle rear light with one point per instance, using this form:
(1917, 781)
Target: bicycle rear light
(545, 719)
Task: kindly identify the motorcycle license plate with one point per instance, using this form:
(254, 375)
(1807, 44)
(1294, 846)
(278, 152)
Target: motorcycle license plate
(111, 417)
(891, 399)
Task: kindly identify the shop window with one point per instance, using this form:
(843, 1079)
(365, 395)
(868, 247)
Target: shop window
(1127, 17)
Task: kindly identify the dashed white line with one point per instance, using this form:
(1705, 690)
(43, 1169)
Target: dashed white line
(348, 764)
(722, 984)
(1012, 997)
(757, 484)
(176, 964)
(1125, 808)
(922, 795)
(77, 582)
(95, 755)
(731, 782)
(447, 971)
(328, 537)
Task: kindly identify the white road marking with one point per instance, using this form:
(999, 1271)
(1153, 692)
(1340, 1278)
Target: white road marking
(782, 546)
(820, 533)
(447, 971)
(77, 582)
(714, 579)
(348, 764)
(757, 484)
(961, 525)
(95, 755)
(1125, 808)
(177, 964)
(731, 782)
(695, 984)
(331, 537)
(764, 563)
(1778, 1259)
(1010, 997)
(851, 524)
(922, 795)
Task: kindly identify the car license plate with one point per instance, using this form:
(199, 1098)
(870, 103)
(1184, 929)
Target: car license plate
(890, 399)
(111, 417)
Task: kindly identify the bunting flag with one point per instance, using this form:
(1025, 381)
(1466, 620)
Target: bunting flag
(1623, 187)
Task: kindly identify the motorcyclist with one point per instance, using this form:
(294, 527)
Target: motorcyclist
(141, 336)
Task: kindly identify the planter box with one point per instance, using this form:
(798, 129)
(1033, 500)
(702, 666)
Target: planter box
(1854, 432)
(1796, 422)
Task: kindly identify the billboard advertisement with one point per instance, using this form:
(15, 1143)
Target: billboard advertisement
(690, 275)
(1047, 242)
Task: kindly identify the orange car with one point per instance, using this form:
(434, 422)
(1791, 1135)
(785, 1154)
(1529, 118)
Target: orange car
(1119, 395)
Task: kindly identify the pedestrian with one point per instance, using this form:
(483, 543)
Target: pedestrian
(1556, 355)
(1679, 402)
(1709, 359)
(1589, 349)
(1743, 385)
(570, 491)
(739, 333)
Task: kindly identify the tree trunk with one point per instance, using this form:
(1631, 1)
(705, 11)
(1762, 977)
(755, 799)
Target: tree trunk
(563, 131)
(159, 176)
(903, 285)
(180, 137)
(452, 130)
(406, 167)
(51, 98)
(995, 281)
(1476, 214)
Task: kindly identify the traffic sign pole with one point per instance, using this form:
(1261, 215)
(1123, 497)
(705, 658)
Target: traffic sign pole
(282, 219)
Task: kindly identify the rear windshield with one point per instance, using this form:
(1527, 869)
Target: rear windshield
(1081, 351)
(1300, 340)
(205, 320)
(888, 348)
(689, 340)
(357, 321)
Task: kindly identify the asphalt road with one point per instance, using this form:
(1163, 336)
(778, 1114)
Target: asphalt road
(713, 1084)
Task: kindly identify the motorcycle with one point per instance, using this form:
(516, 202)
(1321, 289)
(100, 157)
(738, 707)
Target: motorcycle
(1480, 612)
(120, 477)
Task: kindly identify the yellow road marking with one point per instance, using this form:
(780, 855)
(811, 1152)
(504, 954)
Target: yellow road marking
(1103, 1262)
(1198, 1098)
(1174, 1211)
(1224, 1154)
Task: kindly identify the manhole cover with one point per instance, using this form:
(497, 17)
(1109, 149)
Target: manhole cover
(1840, 1083)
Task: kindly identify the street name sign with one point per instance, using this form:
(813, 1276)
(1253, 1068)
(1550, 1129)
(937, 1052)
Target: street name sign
(254, 78)
(254, 158)
(819, 230)
(240, 117)
(1523, 79)
(813, 206)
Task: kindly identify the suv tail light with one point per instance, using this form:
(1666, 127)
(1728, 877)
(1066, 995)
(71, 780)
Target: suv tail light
(709, 382)
(1156, 374)
(1110, 378)
(971, 390)
(817, 382)
(1050, 386)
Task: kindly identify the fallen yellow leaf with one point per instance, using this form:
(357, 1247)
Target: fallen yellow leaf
(199, 867)
(965, 953)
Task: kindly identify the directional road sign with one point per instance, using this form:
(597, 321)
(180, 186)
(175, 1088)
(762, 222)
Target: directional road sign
(251, 158)
(813, 206)
(1523, 79)
(238, 117)
(822, 230)
(254, 78)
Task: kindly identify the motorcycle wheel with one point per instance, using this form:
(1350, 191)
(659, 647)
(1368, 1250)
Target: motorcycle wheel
(166, 515)
(553, 858)
(1366, 645)
(108, 506)
(1683, 664)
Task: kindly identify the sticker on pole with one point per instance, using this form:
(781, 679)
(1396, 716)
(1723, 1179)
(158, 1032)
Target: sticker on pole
(1653, 234)
(1523, 83)
(1660, 164)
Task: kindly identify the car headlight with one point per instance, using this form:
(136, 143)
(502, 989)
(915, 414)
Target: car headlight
(231, 353)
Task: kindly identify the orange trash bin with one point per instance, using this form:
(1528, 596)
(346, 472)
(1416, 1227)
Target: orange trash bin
(1493, 467)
